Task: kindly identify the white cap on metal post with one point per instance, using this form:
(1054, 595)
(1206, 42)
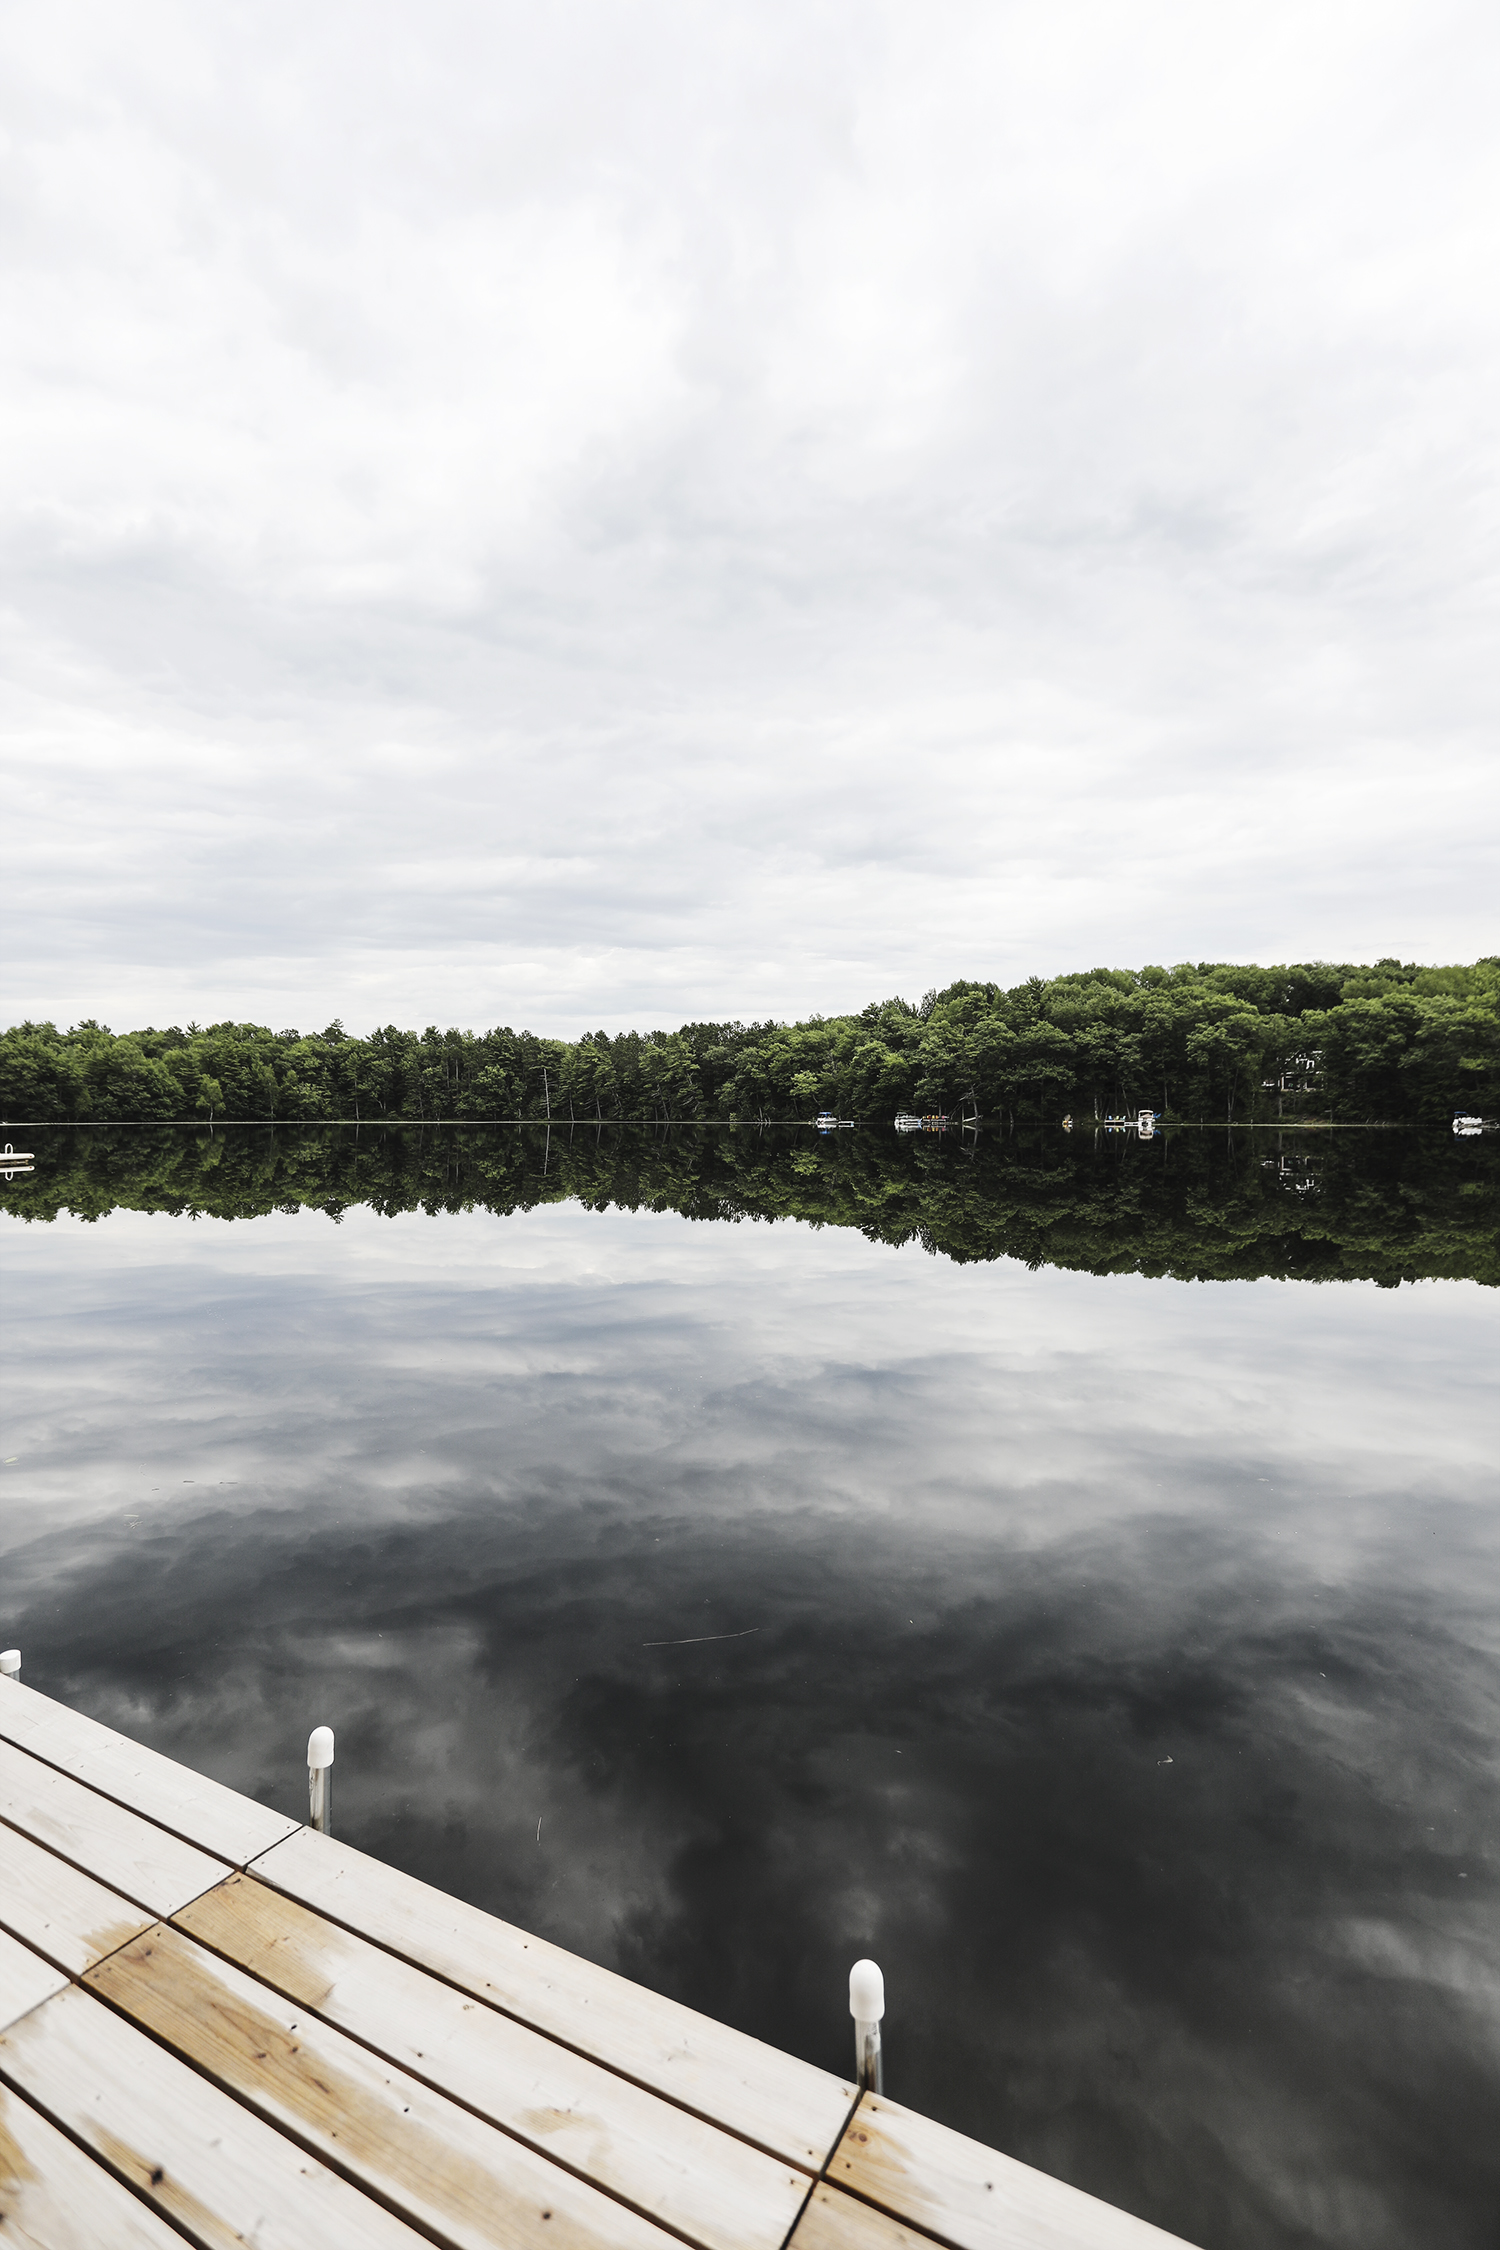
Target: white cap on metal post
(320, 1780)
(866, 1992)
(10, 1662)
(867, 2006)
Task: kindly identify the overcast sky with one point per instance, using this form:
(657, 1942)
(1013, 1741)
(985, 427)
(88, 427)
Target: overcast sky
(602, 514)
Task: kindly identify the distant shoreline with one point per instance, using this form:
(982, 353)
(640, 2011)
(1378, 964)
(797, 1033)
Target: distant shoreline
(706, 1124)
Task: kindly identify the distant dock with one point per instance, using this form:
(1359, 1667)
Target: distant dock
(220, 2026)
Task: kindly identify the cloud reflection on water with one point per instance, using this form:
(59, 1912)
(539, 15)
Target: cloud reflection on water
(1011, 1543)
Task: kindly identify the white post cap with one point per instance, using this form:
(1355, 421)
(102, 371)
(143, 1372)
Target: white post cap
(10, 1660)
(319, 1749)
(866, 1992)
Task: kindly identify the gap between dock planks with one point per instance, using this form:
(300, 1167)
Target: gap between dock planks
(775, 2101)
(54, 2197)
(197, 2156)
(945, 2185)
(65, 1915)
(448, 2170)
(192, 2092)
(564, 2079)
(100, 1837)
(26, 1980)
(202, 1812)
(709, 2186)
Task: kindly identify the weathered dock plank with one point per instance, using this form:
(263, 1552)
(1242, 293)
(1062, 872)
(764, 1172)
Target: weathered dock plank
(197, 2155)
(26, 1980)
(67, 1916)
(970, 2196)
(706, 2185)
(101, 1837)
(447, 2170)
(53, 2197)
(835, 2221)
(295, 2046)
(203, 1812)
(783, 2105)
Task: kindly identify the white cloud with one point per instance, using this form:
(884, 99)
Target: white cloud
(625, 515)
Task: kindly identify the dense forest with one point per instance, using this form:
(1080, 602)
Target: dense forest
(1389, 1043)
(1201, 1206)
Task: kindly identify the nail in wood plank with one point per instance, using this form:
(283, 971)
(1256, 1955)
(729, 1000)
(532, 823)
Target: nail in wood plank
(971, 2196)
(441, 2167)
(693, 2177)
(197, 2155)
(220, 1820)
(780, 2103)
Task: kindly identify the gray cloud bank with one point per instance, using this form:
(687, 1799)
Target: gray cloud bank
(625, 515)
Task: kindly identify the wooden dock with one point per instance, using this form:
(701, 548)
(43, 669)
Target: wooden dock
(219, 2026)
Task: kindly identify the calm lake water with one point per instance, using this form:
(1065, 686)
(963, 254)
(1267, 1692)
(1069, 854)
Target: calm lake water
(1112, 1656)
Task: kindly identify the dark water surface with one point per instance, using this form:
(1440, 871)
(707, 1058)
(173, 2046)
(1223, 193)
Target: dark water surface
(1111, 1655)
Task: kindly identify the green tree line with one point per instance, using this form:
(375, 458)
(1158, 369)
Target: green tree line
(1203, 1207)
(1395, 1042)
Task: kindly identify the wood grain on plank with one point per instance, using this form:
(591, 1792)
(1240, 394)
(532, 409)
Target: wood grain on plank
(780, 2103)
(971, 2196)
(53, 2197)
(198, 2156)
(26, 1980)
(133, 1856)
(707, 2185)
(68, 1916)
(450, 2172)
(835, 2221)
(220, 1820)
